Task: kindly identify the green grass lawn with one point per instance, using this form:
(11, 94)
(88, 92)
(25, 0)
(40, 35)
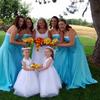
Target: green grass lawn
(2, 34)
(92, 92)
(88, 44)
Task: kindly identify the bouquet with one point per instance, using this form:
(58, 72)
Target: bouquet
(53, 42)
(38, 42)
(48, 41)
(29, 40)
(36, 66)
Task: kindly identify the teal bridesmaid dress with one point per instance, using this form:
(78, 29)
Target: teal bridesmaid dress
(72, 65)
(59, 61)
(10, 62)
(27, 35)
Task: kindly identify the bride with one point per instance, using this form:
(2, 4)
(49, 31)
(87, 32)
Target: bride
(40, 32)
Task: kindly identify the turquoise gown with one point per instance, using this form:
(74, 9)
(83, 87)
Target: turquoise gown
(27, 35)
(10, 62)
(72, 65)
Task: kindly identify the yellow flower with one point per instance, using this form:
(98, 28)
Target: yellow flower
(28, 40)
(55, 41)
(47, 41)
(35, 66)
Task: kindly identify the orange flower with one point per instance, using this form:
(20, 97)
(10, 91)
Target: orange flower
(38, 42)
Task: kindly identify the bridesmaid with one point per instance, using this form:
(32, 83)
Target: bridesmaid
(28, 32)
(10, 54)
(73, 67)
(29, 28)
(53, 32)
(42, 32)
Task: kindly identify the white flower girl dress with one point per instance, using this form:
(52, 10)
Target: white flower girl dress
(27, 83)
(50, 82)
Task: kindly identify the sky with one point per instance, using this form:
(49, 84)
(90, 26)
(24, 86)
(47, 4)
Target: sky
(55, 9)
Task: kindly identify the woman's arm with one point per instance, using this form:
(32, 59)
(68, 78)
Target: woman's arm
(72, 34)
(13, 32)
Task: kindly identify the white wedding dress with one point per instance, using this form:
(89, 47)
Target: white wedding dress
(27, 83)
(50, 82)
(38, 56)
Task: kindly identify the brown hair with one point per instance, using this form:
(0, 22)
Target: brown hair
(31, 28)
(42, 19)
(51, 50)
(67, 25)
(16, 22)
(55, 17)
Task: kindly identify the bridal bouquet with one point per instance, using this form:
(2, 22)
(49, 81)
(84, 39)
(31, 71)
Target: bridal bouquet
(35, 66)
(38, 42)
(47, 41)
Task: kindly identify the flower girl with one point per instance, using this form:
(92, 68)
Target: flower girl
(49, 80)
(27, 83)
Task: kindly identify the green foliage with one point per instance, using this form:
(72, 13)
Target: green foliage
(10, 8)
(24, 9)
(34, 20)
(75, 22)
(1, 22)
(79, 22)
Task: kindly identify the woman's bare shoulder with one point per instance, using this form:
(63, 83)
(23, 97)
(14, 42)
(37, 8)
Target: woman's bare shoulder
(12, 28)
(71, 30)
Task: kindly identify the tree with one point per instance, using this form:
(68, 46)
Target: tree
(95, 9)
(10, 8)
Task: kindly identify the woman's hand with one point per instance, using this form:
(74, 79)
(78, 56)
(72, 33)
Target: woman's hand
(58, 44)
(23, 44)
